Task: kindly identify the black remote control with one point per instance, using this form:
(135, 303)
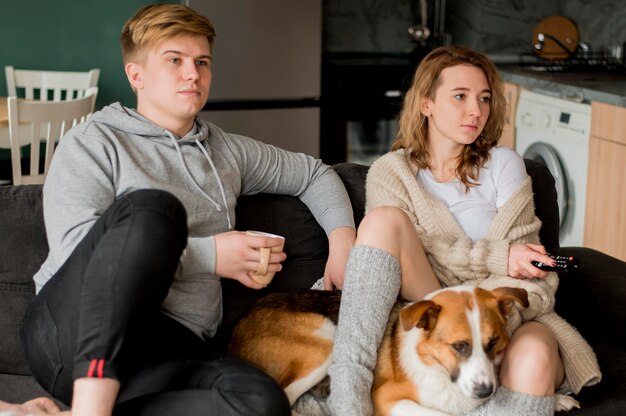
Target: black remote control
(564, 263)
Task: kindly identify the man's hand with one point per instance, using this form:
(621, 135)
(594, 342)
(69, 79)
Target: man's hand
(340, 242)
(238, 253)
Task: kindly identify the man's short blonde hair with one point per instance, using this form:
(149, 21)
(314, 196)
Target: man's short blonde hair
(155, 23)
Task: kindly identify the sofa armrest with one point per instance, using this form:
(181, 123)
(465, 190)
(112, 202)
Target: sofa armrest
(593, 297)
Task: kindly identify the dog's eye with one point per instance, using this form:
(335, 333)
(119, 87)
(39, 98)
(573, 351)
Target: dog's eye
(491, 344)
(461, 347)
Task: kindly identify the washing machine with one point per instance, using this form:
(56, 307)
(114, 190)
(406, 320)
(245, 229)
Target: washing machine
(555, 131)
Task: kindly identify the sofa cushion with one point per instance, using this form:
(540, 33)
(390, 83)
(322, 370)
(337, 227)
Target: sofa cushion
(353, 177)
(546, 206)
(306, 246)
(23, 247)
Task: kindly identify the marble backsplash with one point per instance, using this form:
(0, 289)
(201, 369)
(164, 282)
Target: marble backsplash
(491, 26)
(368, 25)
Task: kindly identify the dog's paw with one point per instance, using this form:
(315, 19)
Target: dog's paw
(565, 403)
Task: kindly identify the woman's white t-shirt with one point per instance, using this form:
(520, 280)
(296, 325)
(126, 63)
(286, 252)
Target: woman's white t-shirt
(474, 210)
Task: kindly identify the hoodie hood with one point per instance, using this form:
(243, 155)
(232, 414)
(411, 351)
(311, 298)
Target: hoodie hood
(130, 121)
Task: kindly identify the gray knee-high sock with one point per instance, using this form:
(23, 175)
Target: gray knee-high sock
(371, 288)
(512, 403)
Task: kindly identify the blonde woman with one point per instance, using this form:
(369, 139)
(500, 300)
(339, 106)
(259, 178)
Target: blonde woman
(447, 207)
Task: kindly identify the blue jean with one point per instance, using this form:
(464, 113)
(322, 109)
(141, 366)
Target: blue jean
(100, 316)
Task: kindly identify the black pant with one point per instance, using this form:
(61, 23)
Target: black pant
(99, 316)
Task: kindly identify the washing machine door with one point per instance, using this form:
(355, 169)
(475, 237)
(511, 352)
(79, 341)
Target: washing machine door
(547, 155)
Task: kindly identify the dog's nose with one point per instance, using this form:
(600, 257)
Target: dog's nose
(483, 390)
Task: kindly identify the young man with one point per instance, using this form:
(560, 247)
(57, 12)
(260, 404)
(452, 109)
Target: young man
(139, 208)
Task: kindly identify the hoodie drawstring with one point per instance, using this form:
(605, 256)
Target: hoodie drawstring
(218, 207)
(219, 180)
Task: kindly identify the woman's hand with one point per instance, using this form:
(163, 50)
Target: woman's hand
(340, 242)
(238, 253)
(520, 257)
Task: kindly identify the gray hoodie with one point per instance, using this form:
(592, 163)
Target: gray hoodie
(118, 151)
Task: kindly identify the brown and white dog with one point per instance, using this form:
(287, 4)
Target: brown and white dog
(438, 355)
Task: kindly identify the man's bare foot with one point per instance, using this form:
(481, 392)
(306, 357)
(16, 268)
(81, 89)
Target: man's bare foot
(36, 407)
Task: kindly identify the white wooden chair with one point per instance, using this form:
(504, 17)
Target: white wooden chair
(49, 85)
(36, 122)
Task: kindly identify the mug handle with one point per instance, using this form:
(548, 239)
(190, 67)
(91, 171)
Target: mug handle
(265, 260)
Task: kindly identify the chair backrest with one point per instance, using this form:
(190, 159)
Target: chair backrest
(49, 85)
(39, 122)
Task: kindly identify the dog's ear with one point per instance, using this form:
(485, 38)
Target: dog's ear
(421, 314)
(507, 296)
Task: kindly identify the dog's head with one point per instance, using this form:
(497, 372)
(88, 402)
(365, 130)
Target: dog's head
(463, 330)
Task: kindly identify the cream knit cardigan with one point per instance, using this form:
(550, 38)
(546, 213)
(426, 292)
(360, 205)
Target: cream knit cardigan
(456, 259)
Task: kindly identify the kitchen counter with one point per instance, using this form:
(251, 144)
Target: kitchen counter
(606, 87)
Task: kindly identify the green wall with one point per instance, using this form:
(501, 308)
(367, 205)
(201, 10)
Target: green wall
(69, 35)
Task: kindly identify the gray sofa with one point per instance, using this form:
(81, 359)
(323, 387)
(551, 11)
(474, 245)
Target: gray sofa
(593, 298)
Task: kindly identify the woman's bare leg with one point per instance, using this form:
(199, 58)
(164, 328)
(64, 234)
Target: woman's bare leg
(532, 364)
(386, 260)
(389, 229)
(531, 371)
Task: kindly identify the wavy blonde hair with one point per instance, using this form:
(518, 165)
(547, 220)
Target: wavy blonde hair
(154, 23)
(413, 132)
